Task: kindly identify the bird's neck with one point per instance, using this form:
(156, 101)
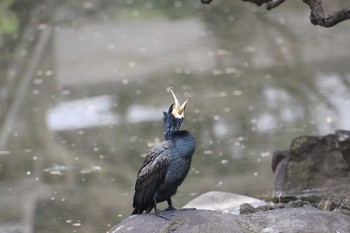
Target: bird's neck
(170, 130)
(169, 134)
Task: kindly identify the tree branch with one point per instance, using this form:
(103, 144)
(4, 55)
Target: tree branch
(317, 17)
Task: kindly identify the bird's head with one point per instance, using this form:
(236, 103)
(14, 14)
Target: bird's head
(174, 117)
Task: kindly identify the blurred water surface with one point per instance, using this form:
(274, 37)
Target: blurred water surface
(83, 85)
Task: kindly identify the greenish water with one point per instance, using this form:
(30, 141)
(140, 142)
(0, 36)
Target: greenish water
(84, 83)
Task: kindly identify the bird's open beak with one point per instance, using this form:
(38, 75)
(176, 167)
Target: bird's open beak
(179, 110)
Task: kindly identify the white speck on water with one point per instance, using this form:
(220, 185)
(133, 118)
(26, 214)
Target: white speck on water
(36, 92)
(219, 184)
(81, 132)
(23, 53)
(96, 149)
(38, 81)
(28, 173)
(217, 72)
(221, 94)
(224, 161)
(329, 120)
(48, 72)
(178, 4)
(125, 81)
(208, 152)
(279, 40)
(120, 215)
(4, 152)
(27, 150)
(265, 154)
(250, 49)
(210, 54)
(56, 169)
(216, 117)
(255, 174)
(237, 92)
(89, 170)
(66, 92)
(69, 221)
(132, 64)
(230, 70)
(77, 224)
(230, 18)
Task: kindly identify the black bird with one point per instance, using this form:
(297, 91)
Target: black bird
(166, 165)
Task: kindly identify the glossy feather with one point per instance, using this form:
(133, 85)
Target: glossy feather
(151, 174)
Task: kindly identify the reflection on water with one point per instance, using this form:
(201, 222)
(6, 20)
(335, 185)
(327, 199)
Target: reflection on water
(83, 113)
(93, 106)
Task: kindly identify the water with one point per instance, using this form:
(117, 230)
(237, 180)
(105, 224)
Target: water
(83, 86)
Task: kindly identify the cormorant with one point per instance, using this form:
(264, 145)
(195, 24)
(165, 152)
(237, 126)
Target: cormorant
(166, 165)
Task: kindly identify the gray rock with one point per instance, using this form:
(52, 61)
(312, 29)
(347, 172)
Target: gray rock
(182, 221)
(296, 220)
(312, 166)
(306, 219)
(222, 201)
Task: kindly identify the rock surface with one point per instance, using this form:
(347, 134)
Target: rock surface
(306, 219)
(222, 201)
(312, 166)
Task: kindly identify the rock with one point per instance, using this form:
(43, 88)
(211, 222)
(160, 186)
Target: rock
(292, 220)
(312, 166)
(249, 209)
(337, 199)
(182, 221)
(286, 219)
(222, 201)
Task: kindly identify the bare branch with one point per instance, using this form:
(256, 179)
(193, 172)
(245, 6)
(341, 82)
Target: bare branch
(317, 17)
(206, 1)
(274, 3)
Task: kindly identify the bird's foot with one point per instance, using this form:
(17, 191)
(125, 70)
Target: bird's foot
(164, 214)
(170, 208)
(187, 209)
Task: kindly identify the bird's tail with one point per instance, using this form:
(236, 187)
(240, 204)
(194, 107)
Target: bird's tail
(136, 211)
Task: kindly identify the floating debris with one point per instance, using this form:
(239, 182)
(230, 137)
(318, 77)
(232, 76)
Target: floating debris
(89, 170)
(56, 170)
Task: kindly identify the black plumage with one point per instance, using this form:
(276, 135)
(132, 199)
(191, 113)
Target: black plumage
(166, 165)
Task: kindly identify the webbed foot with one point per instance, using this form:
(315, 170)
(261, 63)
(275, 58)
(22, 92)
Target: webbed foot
(164, 214)
(170, 208)
(182, 209)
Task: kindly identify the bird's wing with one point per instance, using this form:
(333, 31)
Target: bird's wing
(152, 173)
